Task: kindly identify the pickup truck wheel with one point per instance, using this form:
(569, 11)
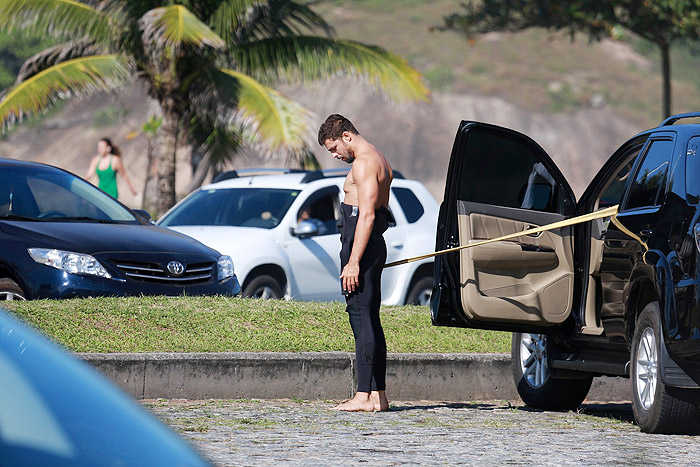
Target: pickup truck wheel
(263, 286)
(9, 290)
(658, 408)
(420, 292)
(534, 381)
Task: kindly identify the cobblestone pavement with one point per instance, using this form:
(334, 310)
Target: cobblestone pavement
(290, 432)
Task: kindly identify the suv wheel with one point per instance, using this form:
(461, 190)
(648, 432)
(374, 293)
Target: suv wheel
(263, 286)
(658, 408)
(9, 290)
(535, 383)
(420, 292)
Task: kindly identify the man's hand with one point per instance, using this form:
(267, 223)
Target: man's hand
(350, 277)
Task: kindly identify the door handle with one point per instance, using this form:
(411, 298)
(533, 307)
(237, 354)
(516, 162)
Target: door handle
(646, 234)
(396, 244)
(533, 235)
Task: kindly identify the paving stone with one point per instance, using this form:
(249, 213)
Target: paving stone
(303, 433)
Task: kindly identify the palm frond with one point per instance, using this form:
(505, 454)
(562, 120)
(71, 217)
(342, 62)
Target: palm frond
(66, 18)
(175, 26)
(62, 81)
(277, 18)
(57, 54)
(213, 96)
(269, 120)
(217, 143)
(231, 14)
(311, 58)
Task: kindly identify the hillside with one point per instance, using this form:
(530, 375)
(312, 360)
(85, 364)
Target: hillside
(578, 100)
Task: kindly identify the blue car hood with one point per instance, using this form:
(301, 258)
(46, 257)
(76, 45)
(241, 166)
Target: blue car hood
(93, 238)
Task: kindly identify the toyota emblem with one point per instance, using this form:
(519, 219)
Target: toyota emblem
(175, 268)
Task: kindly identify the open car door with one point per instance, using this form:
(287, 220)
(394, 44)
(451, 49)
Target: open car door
(500, 182)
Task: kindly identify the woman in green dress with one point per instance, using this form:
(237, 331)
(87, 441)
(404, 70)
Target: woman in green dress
(106, 165)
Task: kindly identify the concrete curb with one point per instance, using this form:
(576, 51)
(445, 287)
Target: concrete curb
(319, 375)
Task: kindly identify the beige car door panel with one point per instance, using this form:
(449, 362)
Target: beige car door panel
(528, 279)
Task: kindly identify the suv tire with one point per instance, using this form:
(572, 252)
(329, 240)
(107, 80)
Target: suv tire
(420, 292)
(9, 290)
(535, 383)
(658, 408)
(263, 286)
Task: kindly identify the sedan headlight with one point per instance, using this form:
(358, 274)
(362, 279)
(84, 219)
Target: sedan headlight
(74, 263)
(225, 267)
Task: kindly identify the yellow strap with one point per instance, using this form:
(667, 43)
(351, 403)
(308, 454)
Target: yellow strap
(607, 212)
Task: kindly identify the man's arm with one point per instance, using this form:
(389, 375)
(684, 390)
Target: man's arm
(367, 186)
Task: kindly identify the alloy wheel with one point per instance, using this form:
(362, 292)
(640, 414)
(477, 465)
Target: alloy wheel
(647, 369)
(423, 299)
(264, 292)
(10, 296)
(533, 359)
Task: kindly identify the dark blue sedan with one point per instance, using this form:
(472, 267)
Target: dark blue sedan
(61, 237)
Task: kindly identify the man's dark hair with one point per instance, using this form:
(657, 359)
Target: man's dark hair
(333, 128)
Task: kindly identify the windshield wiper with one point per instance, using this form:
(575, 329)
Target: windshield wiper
(77, 218)
(18, 217)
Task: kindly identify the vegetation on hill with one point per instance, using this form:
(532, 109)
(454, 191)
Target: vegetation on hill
(535, 69)
(659, 22)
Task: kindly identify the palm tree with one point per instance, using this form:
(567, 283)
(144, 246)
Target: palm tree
(209, 63)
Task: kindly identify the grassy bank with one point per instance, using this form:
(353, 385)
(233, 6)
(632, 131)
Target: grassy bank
(215, 324)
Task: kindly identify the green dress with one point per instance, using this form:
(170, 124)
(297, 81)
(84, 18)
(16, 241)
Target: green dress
(107, 180)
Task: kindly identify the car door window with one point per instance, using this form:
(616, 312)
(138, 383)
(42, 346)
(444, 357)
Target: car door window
(409, 203)
(505, 172)
(321, 211)
(692, 170)
(615, 187)
(650, 181)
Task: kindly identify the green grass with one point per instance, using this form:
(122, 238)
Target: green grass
(217, 324)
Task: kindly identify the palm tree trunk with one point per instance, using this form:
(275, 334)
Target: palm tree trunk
(148, 200)
(199, 173)
(666, 76)
(167, 148)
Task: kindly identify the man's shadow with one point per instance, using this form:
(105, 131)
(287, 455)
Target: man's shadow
(617, 410)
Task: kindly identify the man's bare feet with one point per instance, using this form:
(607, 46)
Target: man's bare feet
(360, 403)
(379, 400)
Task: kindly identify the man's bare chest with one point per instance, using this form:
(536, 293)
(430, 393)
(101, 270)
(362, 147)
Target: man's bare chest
(350, 189)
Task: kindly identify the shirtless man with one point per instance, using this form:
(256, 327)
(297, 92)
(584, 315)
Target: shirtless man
(363, 253)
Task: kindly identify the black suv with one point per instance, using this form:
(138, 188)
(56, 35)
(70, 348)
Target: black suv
(617, 296)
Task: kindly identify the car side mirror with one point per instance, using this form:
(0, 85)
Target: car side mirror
(305, 229)
(145, 215)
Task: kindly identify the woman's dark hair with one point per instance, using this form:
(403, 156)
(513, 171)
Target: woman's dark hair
(333, 128)
(115, 150)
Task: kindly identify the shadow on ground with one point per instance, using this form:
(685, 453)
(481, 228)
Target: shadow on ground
(617, 410)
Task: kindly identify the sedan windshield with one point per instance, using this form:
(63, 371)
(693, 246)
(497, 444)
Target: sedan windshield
(238, 207)
(48, 194)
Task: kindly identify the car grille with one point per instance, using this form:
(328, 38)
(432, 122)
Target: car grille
(153, 272)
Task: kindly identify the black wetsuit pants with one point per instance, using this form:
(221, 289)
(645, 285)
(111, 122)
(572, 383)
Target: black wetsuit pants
(363, 304)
